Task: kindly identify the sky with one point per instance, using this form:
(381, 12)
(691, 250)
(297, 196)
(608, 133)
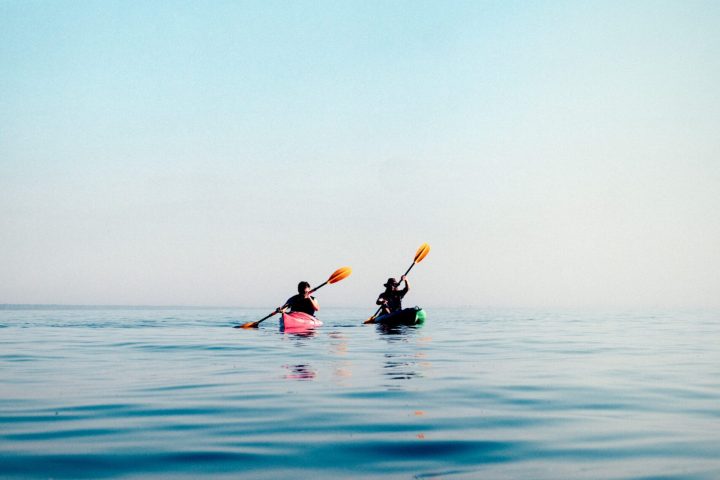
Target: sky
(552, 153)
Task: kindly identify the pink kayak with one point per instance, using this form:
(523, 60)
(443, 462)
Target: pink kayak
(298, 321)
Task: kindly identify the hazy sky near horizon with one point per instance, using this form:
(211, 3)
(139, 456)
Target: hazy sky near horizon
(561, 153)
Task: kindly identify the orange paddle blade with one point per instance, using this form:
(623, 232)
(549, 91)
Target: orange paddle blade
(340, 274)
(249, 325)
(372, 319)
(255, 324)
(422, 252)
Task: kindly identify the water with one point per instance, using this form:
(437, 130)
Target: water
(162, 393)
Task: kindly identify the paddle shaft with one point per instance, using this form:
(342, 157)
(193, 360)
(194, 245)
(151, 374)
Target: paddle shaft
(408, 270)
(319, 286)
(273, 313)
(255, 324)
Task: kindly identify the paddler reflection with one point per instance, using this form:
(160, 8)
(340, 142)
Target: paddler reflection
(405, 359)
(300, 372)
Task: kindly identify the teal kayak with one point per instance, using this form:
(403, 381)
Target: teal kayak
(406, 316)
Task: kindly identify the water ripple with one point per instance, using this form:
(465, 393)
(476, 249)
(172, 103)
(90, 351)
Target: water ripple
(471, 394)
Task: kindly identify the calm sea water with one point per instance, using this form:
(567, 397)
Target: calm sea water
(177, 393)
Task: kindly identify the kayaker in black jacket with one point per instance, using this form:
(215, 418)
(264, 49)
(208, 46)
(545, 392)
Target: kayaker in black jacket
(391, 298)
(302, 302)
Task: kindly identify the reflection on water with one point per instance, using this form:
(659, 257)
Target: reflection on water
(540, 395)
(299, 372)
(406, 361)
(336, 344)
(398, 331)
(400, 367)
(299, 338)
(299, 332)
(342, 367)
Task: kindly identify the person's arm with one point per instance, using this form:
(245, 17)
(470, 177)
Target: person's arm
(407, 285)
(284, 307)
(315, 304)
(380, 300)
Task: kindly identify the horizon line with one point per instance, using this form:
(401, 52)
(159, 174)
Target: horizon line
(73, 306)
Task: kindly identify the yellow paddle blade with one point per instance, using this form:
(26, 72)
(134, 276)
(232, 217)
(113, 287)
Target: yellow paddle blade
(340, 274)
(422, 252)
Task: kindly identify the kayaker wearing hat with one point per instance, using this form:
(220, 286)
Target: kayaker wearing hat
(391, 298)
(303, 301)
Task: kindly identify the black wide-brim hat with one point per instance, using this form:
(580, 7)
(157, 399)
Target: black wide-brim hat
(391, 282)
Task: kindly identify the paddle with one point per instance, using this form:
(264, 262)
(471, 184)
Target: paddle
(419, 255)
(337, 275)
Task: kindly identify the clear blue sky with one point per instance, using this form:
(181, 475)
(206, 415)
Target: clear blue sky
(561, 153)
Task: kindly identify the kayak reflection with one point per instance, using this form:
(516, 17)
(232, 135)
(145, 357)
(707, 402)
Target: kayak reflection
(399, 332)
(298, 332)
(299, 338)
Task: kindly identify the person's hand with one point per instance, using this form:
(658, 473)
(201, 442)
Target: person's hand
(403, 278)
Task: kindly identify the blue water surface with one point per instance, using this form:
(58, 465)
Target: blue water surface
(177, 393)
